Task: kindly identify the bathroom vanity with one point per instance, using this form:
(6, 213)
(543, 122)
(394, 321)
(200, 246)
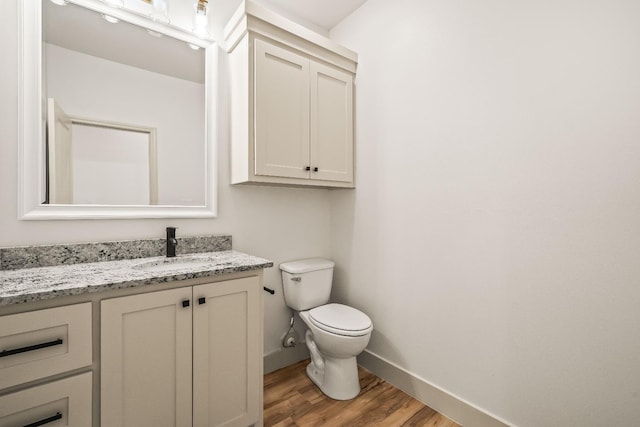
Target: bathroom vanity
(148, 341)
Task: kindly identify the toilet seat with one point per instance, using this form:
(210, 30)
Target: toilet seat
(341, 319)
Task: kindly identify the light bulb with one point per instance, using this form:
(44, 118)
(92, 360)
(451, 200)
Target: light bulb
(159, 12)
(201, 19)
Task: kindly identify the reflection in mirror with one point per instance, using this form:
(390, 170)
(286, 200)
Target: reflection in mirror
(107, 163)
(125, 117)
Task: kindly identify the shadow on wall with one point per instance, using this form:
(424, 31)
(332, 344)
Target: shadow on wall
(369, 360)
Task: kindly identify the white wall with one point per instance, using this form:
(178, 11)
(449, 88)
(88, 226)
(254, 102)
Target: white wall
(494, 235)
(280, 224)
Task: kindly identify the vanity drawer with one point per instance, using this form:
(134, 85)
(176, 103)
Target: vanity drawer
(40, 343)
(60, 403)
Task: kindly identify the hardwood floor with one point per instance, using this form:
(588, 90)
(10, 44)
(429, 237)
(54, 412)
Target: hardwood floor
(291, 399)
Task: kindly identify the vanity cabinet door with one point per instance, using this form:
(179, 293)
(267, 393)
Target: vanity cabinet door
(146, 360)
(227, 353)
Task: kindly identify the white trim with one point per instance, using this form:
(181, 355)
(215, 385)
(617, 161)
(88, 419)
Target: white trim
(441, 400)
(248, 7)
(30, 122)
(71, 212)
(111, 125)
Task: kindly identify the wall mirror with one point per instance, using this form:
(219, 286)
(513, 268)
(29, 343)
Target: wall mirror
(118, 118)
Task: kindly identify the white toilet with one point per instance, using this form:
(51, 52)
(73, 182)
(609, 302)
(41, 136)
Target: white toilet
(337, 333)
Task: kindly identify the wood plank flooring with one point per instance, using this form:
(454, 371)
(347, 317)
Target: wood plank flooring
(292, 400)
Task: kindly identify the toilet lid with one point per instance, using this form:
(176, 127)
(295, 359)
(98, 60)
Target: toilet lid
(340, 319)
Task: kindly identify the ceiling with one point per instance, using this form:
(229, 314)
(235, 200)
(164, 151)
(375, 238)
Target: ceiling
(82, 30)
(321, 14)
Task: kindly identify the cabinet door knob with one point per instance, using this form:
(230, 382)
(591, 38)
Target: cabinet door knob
(307, 168)
(185, 303)
(315, 169)
(202, 300)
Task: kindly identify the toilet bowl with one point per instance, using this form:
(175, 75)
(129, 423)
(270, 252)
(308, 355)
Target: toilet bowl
(334, 347)
(336, 333)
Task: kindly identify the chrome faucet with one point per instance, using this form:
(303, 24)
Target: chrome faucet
(172, 242)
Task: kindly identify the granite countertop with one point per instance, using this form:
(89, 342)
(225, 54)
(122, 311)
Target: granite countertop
(40, 283)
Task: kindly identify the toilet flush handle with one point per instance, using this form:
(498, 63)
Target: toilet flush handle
(297, 279)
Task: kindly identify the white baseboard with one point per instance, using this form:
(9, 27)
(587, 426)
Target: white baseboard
(284, 357)
(447, 404)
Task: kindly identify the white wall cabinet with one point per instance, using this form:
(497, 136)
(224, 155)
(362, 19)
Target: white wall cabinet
(303, 117)
(292, 107)
(150, 364)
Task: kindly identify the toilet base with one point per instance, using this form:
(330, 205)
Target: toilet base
(339, 378)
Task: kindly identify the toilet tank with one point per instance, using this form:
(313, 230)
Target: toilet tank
(307, 282)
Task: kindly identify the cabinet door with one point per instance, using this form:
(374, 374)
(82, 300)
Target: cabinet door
(146, 360)
(331, 123)
(281, 102)
(227, 355)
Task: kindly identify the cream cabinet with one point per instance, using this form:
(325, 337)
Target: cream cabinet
(41, 343)
(303, 117)
(292, 108)
(35, 347)
(182, 357)
(65, 402)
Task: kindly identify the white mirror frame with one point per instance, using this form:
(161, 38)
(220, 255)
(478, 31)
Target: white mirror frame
(30, 126)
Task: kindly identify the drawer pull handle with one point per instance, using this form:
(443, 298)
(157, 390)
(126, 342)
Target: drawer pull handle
(56, 417)
(5, 353)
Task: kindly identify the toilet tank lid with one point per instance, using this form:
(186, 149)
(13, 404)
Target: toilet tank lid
(306, 265)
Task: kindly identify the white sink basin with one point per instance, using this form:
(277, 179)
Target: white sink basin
(179, 263)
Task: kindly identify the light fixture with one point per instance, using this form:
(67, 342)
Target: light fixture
(60, 2)
(154, 33)
(110, 19)
(159, 11)
(201, 19)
